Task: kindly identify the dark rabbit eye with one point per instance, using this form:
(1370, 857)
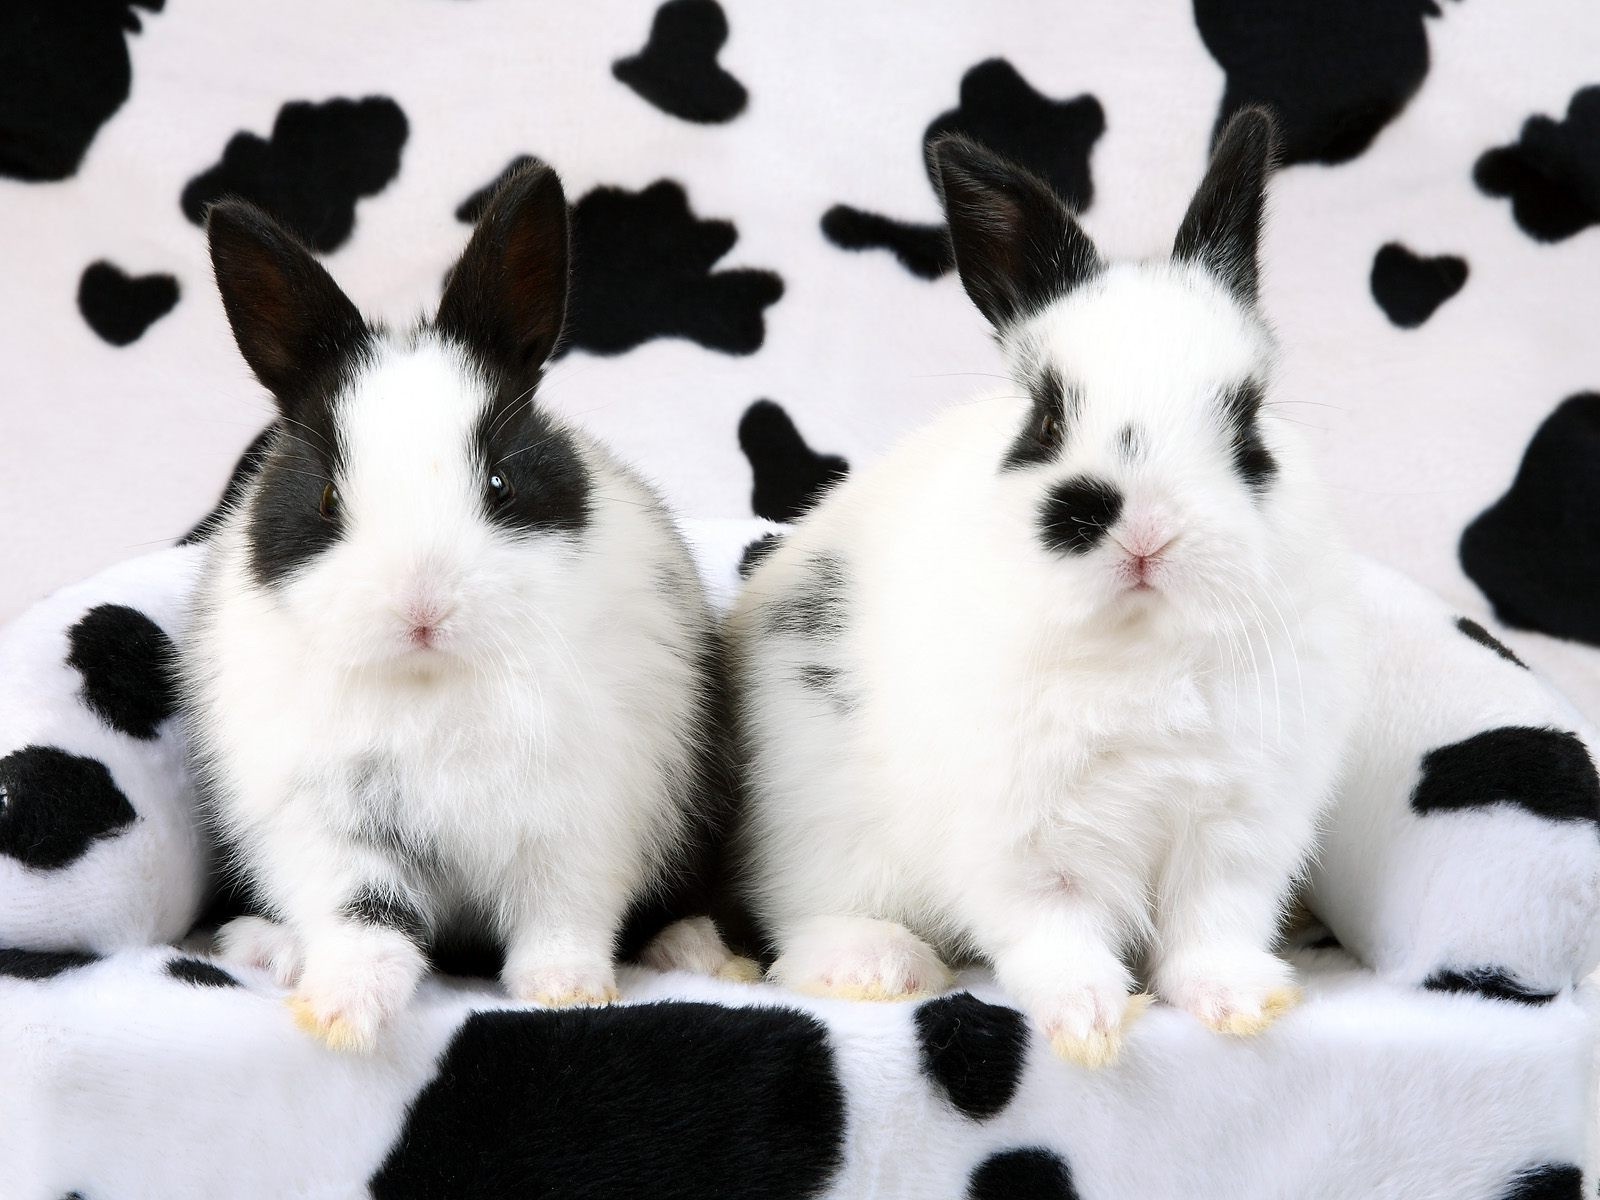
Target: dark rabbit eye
(330, 503)
(1047, 429)
(500, 490)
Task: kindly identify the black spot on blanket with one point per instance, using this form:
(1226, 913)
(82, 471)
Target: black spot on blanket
(1484, 638)
(64, 71)
(55, 805)
(126, 661)
(1410, 287)
(1546, 772)
(757, 550)
(200, 973)
(319, 160)
(1333, 73)
(42, 964)
(1492, 983)
(655, 1102)
(1548, 1181)
(1551, 174)
(121, 307)
(1002, 110)
(677, 70)
(248, 466)
(1032, 1173)
(973, 1050)
(789, 475)
(1535, 552)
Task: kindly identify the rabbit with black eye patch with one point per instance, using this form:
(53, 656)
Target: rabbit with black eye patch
(1062, 681)
(452, 670)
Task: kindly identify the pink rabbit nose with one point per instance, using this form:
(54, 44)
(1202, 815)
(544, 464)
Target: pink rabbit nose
(1143, 559)
(424, 621)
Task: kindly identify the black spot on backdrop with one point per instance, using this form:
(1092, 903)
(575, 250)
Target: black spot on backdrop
(248, 466)
(1492, 983)
(200, 973)
(1535, 552)
(121, 307)
(42, 964)
(789, 475)
(1333, 73)
(1548, 1181)
(64, 72)
(55, 805)
(319, 160)
(974, 1051)
(1032, 1172)
(1001, 109)
(668, 1101)
(1410, 287)
(1486, 639)
(1551, 174)
(126, 661)
(1546, 772)
(757, 550)
(677, 70)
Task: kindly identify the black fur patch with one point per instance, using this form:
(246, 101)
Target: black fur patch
(42, 964)
(285, 526)
(827, 683)
(816, 607)
(1326, 942)
(757, 550)
(677, 71)
(550, 486)
(1333, 74)
(246, 469)
(1077, 514)
(1252, 461)
(120, 307)
(1551, 174)
(1548, 1181)
(369, 906)
(200, 973)
(1041, 439)
(1493, 983)
(1546, 772)
(126, 661)
(666, 1101)
(1410, 287)
(974, 1051)
(64, 72)
(1032, 1172)
(1484, 638)
(319, 160)
(790, 477)
(1001, 110)
(1535, 552)
(54, 806)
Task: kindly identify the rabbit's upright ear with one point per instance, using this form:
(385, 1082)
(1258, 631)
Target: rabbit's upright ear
(1017, 244)
(1222, 229)
(507, 298)
(293, 324)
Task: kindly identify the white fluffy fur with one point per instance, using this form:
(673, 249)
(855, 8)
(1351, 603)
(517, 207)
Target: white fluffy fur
(1034, 763)
(539, 755)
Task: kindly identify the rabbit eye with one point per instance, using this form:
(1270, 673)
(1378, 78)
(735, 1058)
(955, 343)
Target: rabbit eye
(1047, 429)
(330, 503)
(500, 490)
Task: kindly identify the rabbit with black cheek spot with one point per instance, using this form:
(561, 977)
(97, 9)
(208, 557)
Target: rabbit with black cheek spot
(1063, 678)
(451, 666)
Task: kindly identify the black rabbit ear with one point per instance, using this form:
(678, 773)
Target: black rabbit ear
(293, 324)
(1222, 229)
(507, 297)
(1017, 245)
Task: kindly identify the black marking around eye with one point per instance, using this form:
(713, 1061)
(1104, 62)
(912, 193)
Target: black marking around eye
(517, 439)
(1252, 461)
(285, 525)
(1492, 983)
(1042, 437)
(1546, 772)
(1484, 638)
(815, 607)
(1077, 514)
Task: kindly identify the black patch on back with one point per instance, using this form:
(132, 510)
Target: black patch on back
(974, 1051)
(64, 71)
(1077, 514)
(246, 469)
(42, 964)
(667, 1101)
(369, 906)
(677, 71)
(1484, 638)
(1252, 461)
(1041, 439)
(318, 161)
(1032, 1172)
(1410, 287)
(751, 556)
(1333, 74)
(1535, 552)
(200, 973)
(120, 307)
(1003, 111)
(1546, 772)
(1548, 1181)
(1551, 174)
(54, 806)
(815, 609)
(518, 440)
(126, 661)
(790, 477)
(1493, 983)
